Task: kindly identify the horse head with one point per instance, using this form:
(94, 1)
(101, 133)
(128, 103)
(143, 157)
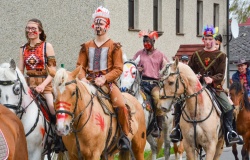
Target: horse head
(12, 85)
(130, 77)
(175, 80)
(67, 96)
(239, 96)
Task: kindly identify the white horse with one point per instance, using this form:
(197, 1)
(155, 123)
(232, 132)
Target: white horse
(129, 81)
(16, 95)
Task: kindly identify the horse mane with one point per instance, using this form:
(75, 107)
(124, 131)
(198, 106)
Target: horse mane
(238, 87)
(60, 79)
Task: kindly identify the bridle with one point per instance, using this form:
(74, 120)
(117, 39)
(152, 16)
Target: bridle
(176, 98)
(17, 108)
(78, 117)
(136, 82)
(183, 97)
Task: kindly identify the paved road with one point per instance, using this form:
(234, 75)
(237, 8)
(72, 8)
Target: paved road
(226, 155)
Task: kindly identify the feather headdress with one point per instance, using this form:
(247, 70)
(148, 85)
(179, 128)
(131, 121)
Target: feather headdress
(210, 31)
(151, 35)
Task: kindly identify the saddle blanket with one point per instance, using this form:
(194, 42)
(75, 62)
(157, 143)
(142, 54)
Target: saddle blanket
(4, 149)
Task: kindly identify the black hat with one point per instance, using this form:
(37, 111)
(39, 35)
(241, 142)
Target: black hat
(184, 57)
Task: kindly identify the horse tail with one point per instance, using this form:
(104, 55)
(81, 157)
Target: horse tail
(124, 155)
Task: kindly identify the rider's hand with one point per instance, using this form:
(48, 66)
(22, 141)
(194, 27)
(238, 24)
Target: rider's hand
(140, 68)
(198, 76)
(40, 88)
(208, 80)
(84, 80)
(99, 81)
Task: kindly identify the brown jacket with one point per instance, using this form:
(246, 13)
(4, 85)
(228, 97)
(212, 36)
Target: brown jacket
(112, 63)
(211, 63)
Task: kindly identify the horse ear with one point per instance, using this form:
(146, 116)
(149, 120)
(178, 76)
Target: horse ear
(164, 62)
(137, 60)
(13, 64)
(176, 62)
(124, 57)
(75, 72)
(51, 71)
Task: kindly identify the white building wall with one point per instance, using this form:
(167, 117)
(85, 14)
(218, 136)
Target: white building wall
(68, 24)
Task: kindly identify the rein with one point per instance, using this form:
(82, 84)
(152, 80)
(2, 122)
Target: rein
(184, 97)
(78, 117)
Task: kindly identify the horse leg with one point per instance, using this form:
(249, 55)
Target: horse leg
(139, 142)
(153, 146)
(235, 152)
(176, 151)
(180, 149)
(210, 150)
(190, 150)
(219, 148)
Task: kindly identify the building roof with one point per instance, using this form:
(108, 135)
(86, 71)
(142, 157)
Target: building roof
(240, 47)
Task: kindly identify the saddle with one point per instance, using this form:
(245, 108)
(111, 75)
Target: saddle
(4, 149)
(216, 104)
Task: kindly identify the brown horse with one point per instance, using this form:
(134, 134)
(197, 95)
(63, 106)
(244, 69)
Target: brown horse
(180, 83)
(12, 137)
(87, 121)
(239, 97)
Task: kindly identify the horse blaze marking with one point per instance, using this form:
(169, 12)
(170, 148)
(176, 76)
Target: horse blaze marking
(100, 120)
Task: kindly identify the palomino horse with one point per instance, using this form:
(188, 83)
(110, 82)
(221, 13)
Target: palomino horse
(88, 123)
(12, 137)
(130, 81)
(15, 94)
(239, 97)
(180, 83)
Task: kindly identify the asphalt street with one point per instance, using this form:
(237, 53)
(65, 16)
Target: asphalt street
(226, 155)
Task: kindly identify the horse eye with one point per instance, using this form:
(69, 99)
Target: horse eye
(170, 83)
(16, 89)
(73, 93)
(134, 73)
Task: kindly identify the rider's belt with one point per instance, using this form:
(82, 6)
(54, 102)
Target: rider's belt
(151, 81)
(37, 73)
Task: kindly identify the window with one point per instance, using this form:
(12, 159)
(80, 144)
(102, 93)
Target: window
(216, 15)
(199, 17)
(179, 16)
(132, 14)
(157, 15)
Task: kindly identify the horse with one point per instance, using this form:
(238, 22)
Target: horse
(12, 137)
(178, 83)
(87, 121)
(238, 95)
(130, 81)
(16, 95)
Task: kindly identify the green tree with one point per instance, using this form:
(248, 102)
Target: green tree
(240, 8)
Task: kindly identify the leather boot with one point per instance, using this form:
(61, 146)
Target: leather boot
(123, 120)
(231, 136)
(157, 130)
(175, 134)
(234, 128)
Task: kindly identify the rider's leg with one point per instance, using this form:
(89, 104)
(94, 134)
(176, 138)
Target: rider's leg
(234, 128)
(231, 135)
(122, 114)
(175, 134)
(58, 143)
(159, 113)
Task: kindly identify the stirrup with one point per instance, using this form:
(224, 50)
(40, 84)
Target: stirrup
(154, 134)
(234, 139)
(124, 143)
(175, 138)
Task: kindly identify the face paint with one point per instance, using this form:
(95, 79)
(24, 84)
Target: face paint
(100, 26)
(148, 43)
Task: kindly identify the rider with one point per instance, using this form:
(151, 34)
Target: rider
(102, 63)
(34, 56)
(151, 62)
(209, 65)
